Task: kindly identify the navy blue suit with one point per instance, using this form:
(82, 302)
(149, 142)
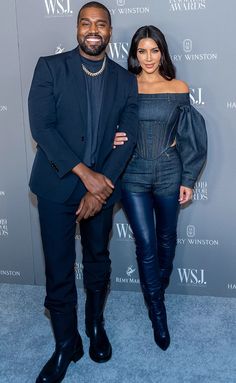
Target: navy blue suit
(58, 113)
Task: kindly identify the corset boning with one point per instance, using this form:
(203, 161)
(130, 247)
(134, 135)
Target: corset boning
(153, 139)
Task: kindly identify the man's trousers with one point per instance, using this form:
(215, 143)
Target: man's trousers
(58, 228)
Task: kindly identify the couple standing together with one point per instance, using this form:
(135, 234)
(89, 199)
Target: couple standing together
(103, 134)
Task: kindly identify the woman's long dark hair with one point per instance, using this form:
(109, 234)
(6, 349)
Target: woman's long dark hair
(166, 68)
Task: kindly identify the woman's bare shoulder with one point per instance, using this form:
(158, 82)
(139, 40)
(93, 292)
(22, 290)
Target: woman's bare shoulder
(180, 86)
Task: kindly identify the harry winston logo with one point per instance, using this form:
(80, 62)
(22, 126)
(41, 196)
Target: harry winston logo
(123, 8)
(187, 45)
(120, 3)
(191, 231)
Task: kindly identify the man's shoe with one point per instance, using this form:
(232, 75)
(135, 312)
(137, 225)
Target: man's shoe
(100, 349)
(55, 369)
(68, 348)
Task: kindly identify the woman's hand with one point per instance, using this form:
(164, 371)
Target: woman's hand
(120, 139)
(185, 194)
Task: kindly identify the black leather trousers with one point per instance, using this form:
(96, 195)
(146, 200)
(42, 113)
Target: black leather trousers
(153, 219)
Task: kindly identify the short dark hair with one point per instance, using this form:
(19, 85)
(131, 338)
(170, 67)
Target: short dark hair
(166, 69)
(95, 4)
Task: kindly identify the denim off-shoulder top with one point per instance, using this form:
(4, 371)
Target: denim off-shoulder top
(165, 118)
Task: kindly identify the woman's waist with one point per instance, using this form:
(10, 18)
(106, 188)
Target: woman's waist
(153, 139)
(169, 161)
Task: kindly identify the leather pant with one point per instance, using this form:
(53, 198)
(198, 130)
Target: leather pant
(153, 219)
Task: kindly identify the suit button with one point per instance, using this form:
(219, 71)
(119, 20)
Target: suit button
(82, 138)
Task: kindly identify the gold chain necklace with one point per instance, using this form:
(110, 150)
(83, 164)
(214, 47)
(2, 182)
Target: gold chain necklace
(94, 74)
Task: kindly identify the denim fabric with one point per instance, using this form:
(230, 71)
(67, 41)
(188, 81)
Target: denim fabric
(161, 176)
(163, 119)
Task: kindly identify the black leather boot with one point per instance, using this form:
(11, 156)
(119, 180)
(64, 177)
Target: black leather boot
(157, 314)
(165, 279)
(68, 347)
(153, 291)
(100, 348)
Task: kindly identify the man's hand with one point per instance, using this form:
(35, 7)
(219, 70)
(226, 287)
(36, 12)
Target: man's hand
(185, 194)
(97, 184)
(88, 207)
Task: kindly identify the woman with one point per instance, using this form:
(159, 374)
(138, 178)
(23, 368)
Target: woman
(170, 153)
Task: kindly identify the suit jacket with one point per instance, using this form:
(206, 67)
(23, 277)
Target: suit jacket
(58, 113)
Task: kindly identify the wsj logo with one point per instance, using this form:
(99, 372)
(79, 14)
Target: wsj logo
(118, 51)
(187, 45)
(196, 96)
(192, 276)
(58, 8)
(124, 231)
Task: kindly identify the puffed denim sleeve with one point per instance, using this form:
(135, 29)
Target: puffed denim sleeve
(191, 141)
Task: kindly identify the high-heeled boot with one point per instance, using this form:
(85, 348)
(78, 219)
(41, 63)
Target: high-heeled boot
(165, 279)
(151, 284)
(100, 349)
(68, 347)
(157, 315)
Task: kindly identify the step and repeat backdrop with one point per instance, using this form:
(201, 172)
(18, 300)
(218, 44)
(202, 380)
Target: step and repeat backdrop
(201, 38)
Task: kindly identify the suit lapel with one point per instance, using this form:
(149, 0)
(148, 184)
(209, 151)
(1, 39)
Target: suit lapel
(75, 68)
(108, 99)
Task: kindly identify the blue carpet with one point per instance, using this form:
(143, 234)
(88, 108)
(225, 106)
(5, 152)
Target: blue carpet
(202, 350)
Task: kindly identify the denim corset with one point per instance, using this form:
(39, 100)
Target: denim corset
(158, 114)
(168, 117)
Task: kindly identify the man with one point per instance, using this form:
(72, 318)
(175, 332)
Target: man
(77, 102)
